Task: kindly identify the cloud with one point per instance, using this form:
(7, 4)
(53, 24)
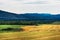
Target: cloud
(31, 1)
(31, 8)
(37, 2)
(1, 3)
(23, 6)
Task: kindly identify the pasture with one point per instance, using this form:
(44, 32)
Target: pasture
(40, 32)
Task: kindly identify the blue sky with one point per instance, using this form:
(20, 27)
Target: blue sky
(24, 6)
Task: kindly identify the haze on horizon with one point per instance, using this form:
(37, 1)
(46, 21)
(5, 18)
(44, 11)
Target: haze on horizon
(31, 6)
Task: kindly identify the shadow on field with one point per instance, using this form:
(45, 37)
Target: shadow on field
(12, 29)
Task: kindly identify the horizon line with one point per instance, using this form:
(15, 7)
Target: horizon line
(31, 12)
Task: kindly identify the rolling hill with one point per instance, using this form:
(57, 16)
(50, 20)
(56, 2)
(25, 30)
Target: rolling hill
(41, 17)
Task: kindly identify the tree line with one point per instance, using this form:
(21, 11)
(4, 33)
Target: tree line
(23, 22)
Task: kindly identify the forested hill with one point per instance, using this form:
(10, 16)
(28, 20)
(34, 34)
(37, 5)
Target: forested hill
(4, 15)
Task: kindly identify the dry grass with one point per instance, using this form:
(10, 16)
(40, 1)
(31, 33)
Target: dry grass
(41, 32)
(42, 28)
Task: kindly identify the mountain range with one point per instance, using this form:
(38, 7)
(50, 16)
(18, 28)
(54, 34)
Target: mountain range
(4, 15)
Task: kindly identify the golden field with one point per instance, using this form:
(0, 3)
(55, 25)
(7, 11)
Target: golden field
(46, 27)
(40, 32)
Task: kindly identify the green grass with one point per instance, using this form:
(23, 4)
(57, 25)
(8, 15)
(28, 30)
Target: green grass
(10, 26)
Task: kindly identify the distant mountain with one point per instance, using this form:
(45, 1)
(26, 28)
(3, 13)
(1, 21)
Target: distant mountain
(7, 15)
(4, 15)
(28, 16)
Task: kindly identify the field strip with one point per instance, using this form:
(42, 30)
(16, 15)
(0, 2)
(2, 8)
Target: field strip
(49, 37)
(37, 38)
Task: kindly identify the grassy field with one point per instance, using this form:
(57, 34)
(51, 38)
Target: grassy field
(10, 26)
(40, 32)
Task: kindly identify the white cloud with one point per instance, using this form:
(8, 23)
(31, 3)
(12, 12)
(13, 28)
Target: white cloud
(22, 6)
(39, 1)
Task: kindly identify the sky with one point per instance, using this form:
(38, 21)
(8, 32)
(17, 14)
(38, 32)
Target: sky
(31, 6)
